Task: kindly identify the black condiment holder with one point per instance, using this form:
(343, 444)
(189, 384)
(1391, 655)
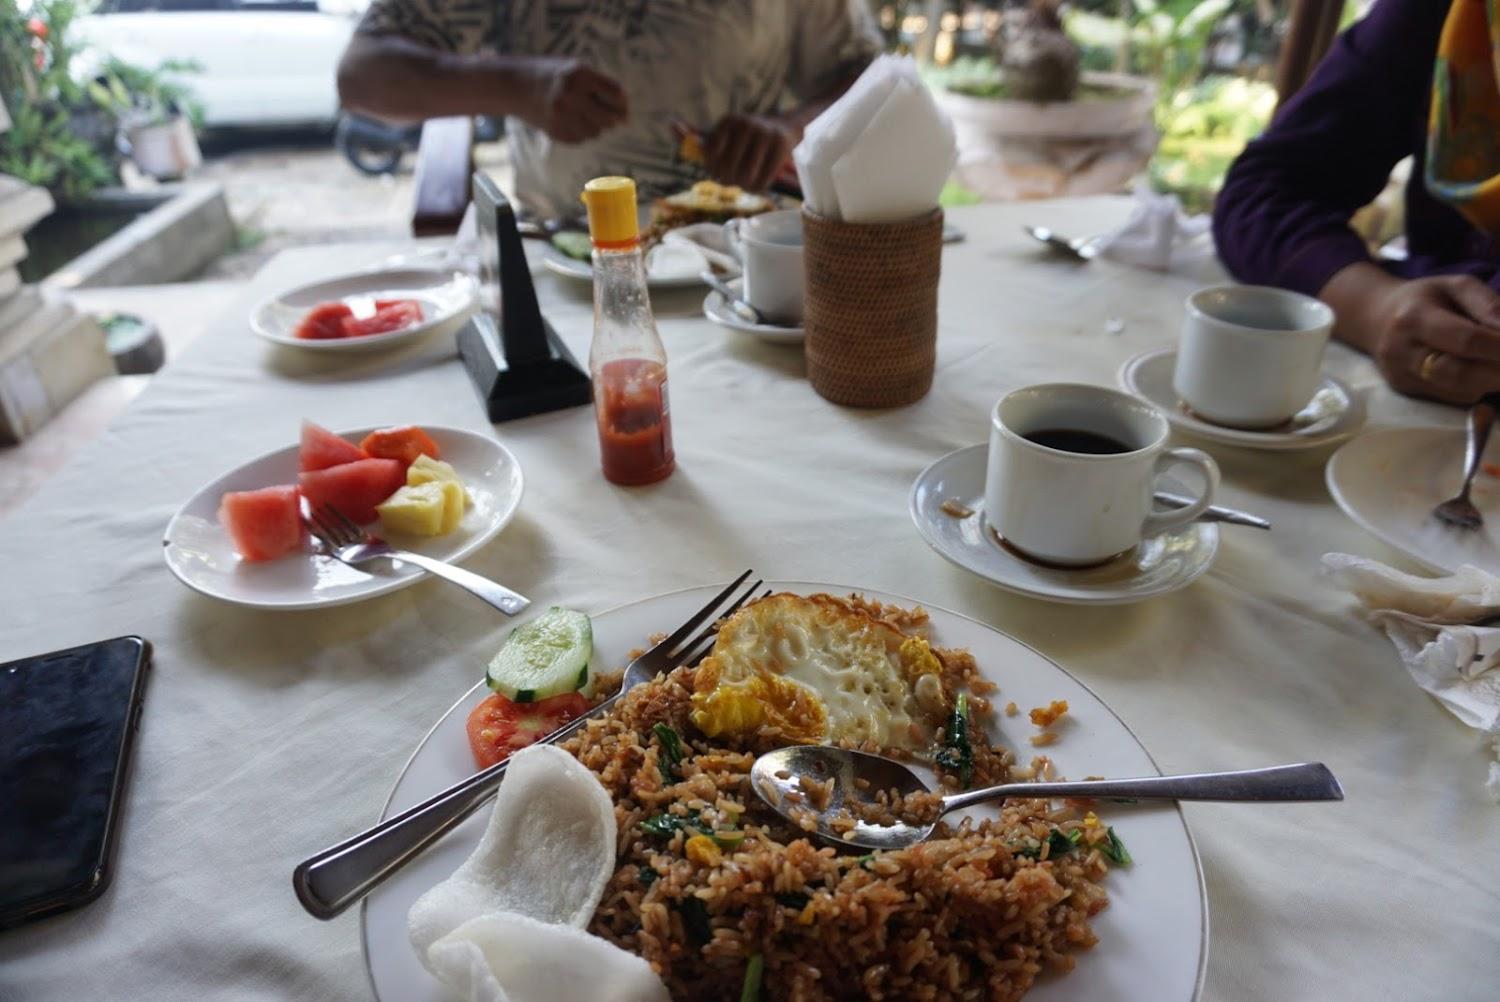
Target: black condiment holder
(516, 359)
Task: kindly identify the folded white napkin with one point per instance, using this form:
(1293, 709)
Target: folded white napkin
(1159, 236)
(709, 241)
(1431, 622)
(881, 152)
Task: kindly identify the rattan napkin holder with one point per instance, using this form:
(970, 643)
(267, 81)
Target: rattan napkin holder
(871, 308)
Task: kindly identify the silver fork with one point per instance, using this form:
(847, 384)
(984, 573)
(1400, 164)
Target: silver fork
(344, 541)
(332, 880)
(1459, 511)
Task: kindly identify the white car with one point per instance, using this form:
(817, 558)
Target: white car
(262, 62)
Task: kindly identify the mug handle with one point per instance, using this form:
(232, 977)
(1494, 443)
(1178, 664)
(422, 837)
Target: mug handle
(1160, 521)
(735, 239)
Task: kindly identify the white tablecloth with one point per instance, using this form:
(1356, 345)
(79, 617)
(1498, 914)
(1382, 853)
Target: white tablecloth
(267, 736)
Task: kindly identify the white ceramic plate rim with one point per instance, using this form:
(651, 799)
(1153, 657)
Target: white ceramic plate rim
(1122, 596)
(714, 309)
(809, 587)
(376, 587)
(447, 310)
(1342, 456)
(570, 267)
(1348, 423)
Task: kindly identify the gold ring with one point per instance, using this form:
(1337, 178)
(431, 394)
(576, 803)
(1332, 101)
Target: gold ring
(1429, 361)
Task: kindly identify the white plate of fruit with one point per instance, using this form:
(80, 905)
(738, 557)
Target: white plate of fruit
(241, 537)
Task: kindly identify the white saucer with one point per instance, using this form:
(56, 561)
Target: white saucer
(1390, 480)
(668, 266)
(1159, 565)
(1335, 413)
(200, 553)
(443, 296)
(719, 312)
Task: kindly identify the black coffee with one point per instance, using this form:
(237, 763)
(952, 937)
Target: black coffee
(1072, 440)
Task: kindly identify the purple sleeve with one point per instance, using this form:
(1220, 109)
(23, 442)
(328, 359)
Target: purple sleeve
(1282, 217)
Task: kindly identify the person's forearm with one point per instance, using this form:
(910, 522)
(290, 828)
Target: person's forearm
(398, 80)
(1355, 292)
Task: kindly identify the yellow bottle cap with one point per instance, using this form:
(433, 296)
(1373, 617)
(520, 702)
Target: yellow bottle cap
(612, 213)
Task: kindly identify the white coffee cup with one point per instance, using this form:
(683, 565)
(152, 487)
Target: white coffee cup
(1250, 356)
(769, 247)
(1071, 507)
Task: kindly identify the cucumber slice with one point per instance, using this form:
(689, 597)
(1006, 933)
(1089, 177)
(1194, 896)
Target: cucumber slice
(547, 657)
(574, 244)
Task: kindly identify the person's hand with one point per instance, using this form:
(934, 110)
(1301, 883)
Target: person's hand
(748, 150)
(1438, 337)
(570, 101)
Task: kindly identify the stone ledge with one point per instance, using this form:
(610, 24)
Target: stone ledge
(190, 228)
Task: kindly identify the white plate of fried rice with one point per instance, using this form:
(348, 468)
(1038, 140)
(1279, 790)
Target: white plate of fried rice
(953, 918)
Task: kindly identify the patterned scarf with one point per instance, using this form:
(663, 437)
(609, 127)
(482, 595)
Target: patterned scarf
(1463, 132)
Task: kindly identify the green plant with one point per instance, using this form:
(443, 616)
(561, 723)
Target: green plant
(1170, 36)
(1204, 128)
(140, 96)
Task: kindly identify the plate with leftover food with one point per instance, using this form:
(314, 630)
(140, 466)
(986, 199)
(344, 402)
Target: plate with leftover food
(1335, 412)
(947, 507)
(441, 492)
(634, 860)
(364, 311)
(1388, 482)
(672, 264)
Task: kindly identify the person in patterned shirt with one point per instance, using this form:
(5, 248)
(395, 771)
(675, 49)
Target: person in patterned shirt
(591, 87)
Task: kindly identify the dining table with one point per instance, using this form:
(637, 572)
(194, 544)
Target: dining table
(267, 735)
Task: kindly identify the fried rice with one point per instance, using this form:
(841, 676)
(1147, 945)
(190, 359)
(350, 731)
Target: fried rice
(708, 877)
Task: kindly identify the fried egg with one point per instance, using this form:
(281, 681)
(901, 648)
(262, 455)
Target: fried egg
(818, 670)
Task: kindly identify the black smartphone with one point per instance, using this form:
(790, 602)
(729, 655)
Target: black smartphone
(67, 725)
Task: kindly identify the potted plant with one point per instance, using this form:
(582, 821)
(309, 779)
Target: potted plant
(156, 116)
(1030, 123)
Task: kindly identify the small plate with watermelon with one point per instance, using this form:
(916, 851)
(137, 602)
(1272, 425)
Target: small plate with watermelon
(364, 311)
(240, 537)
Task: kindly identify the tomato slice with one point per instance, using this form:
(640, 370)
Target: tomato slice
(498, 727)
(323, 322)
(390, 315)
(405, 443)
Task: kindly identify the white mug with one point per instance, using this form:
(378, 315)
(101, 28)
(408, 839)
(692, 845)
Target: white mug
(769, 247)
(1086, 496)
(1250, 356)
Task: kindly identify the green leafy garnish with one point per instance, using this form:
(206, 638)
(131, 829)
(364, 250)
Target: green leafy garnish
(795, 900)
(1114, 850)
(647, 876)
(865, 860)
(1059, 843)
(957, 754)
(672, 752)
(754, 969)
(666, 825)
(695, 920)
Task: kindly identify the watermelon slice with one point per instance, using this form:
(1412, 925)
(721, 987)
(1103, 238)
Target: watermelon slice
(354, 488)
(390, 315)
(321, 449)
(264, 524)
(323, 322)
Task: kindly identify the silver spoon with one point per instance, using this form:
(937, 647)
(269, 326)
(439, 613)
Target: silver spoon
(737, 306)
(777, 774)
(1459, 511)
(1077, 248)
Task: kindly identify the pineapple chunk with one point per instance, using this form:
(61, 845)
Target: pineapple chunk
(455, 500)
(418, 510)
(424, 470)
